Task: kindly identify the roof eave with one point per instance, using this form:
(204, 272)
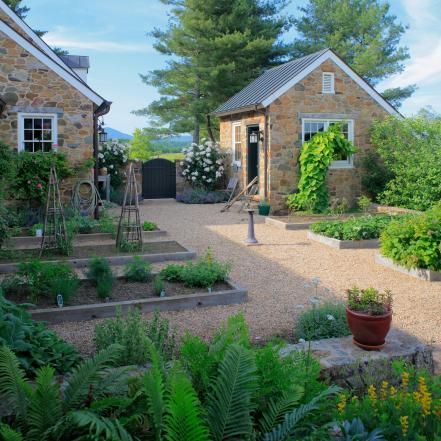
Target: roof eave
(252, 108)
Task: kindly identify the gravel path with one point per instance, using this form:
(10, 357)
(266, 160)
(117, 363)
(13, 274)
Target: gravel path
(275, 273)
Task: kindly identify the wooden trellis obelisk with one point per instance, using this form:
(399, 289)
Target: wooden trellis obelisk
(54, 230)
(129, 227)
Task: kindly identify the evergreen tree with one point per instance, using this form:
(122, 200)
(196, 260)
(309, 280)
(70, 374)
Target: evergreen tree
(363, 32)
(216, 48)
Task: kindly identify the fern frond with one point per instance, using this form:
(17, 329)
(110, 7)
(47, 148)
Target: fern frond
(229, 402)
(154, 390)
(45, 405)
(283, 430)
(183, 421)
(9, 434)
(98, 427)
(277, 409)
(86, 376)
(15, 392)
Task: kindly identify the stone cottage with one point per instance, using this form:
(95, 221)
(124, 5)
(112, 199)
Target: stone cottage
(44, 99)
(266, 123)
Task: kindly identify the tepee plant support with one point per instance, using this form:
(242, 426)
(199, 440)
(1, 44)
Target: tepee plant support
(129, 226)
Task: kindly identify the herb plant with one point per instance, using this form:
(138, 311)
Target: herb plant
(149, 226)
(138, 270)
(101, 276)
(369, 301)
(158, 285)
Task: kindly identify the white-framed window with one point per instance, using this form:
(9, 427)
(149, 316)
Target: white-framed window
(328, 82)
(37, 132)
(311, 126)
(236, 143)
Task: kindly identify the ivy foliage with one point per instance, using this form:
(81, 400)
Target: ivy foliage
(315, 159)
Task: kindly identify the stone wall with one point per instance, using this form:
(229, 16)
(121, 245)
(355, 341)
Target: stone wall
(226, 140)
(27, 85)
(285, 115)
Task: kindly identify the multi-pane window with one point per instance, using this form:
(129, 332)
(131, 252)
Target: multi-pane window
(37, 132)
(237, 144)
(313, 126)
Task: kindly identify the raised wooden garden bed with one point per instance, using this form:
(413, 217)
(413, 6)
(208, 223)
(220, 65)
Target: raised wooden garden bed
(343, 244)
(419, 273)
(81, 256)
(29, 242)
(85, 305)
(298, 222)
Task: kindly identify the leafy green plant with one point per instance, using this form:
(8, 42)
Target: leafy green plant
(369, 301)
(107, 224)
(338, 206)
(100, 273)
(375, 174)
(85, 224)
(315, 158)
(409, 148)
(414, 241)
(364, 203)
(204, 273)
(138, 270)
(355, 431)
(36, 227)
(4, 227)
(158, 285)
(134, 335)
(357, 228)
(33, 344)
(47, 279)
(130, 247)
(149, 226)
(327, 320)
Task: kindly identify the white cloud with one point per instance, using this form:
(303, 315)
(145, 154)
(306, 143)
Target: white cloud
(422, 12)
(96, 45)
(422, 69)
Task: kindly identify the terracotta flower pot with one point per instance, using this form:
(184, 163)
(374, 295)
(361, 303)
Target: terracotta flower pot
(369, 331)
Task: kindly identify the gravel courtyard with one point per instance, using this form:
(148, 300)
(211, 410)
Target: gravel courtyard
(277, 274)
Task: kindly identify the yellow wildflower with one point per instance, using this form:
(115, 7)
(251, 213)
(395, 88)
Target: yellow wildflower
(425, 397)
(341, 405)
(405, 380)
(354, 398)
(404, 422)
(393, 392)
(372, 393)
(384, 389)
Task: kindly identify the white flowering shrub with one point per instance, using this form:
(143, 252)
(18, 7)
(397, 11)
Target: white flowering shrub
(203, 164)
(113, 155)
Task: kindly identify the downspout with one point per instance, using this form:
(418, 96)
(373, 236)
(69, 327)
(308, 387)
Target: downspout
(101, 110)
(265, 155)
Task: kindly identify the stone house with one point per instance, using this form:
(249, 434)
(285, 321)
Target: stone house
(45, 100)
(265, 125)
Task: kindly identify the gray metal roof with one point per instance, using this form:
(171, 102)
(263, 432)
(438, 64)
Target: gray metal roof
(269, 82)
(76, 61)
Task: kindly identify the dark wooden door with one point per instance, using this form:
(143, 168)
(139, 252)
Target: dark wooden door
(252, 152)
(158, 179)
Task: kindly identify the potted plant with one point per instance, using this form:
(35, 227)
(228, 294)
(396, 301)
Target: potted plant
(369, 315)
(264, 207)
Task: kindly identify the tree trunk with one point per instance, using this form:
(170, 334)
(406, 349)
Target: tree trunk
(209, 128)
(196, 132)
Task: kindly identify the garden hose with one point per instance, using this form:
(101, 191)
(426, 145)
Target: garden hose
(85, 202)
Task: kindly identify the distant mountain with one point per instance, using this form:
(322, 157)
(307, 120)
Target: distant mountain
(116, 134)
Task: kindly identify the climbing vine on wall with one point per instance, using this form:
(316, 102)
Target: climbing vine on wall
(315, 159)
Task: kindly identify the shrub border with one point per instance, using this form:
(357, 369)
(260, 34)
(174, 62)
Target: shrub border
(423, 274)
(176, 303)
(343, 244)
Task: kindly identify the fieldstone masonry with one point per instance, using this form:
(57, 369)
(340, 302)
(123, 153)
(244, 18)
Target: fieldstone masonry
(306, 100)
(347, 365)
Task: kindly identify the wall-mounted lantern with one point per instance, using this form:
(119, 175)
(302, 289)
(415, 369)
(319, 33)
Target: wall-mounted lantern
(254, 138)
(102, 135)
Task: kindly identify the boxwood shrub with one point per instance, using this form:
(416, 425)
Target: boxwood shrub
(415, 241)
(360, 228)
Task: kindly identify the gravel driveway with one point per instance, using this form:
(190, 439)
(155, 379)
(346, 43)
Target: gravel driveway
(277, 274)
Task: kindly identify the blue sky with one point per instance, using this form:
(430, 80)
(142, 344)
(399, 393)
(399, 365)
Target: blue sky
(114, 34)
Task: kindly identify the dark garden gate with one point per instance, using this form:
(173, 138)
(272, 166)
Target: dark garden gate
(158, 179)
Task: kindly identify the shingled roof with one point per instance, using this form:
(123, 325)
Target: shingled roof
(274, 82)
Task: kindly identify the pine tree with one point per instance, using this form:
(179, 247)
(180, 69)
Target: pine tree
(216, 48)
(363, 32)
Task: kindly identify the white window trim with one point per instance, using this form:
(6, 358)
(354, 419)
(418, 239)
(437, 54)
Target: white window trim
(349, 163)
(21, 117)
(233, 140)
(332, 91)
